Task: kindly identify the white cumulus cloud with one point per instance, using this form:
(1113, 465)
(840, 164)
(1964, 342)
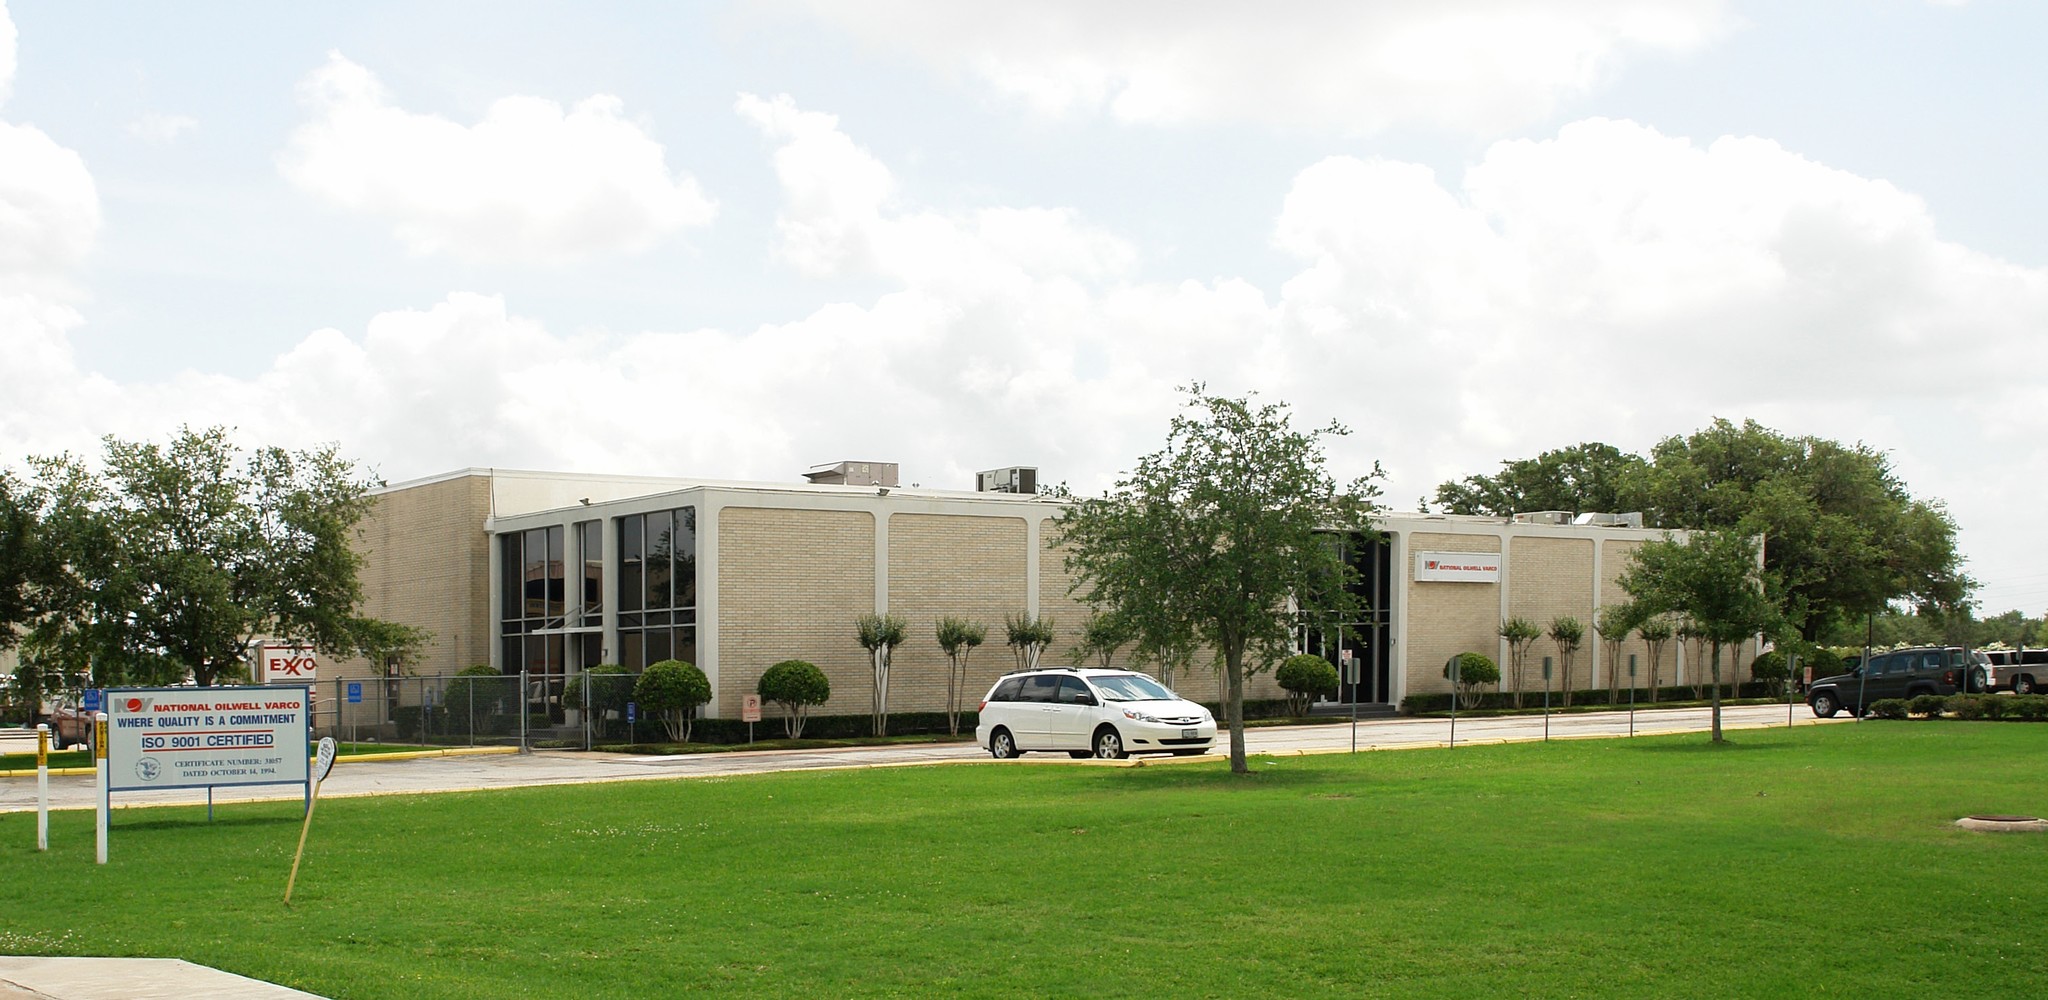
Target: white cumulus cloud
(531, 182)
(7, 58)
(161, 128)
(1480, 65)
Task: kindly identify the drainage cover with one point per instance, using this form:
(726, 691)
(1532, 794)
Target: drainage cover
(2010, 824)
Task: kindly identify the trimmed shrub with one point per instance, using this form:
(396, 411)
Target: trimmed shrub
(795, 685)
(1824, 661)
(1968, 706)
(2028, 707)
(1304, 677)
(1474, 670)
(1772, 668)
(671, 690)
(1929, 705)
(1888, 708)
(604, 690)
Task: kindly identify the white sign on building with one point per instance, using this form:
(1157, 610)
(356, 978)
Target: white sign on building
(198, 737)
(1458, 567)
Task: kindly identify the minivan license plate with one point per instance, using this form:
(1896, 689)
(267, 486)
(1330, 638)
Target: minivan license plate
(1188, 734)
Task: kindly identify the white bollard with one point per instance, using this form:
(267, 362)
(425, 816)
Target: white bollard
(43, 786)
(99, 767)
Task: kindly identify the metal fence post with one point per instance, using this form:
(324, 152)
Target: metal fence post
(519, 701)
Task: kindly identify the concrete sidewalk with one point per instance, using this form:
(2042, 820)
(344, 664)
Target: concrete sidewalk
(130, 979)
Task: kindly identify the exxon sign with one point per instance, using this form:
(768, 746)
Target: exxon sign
(286, 665)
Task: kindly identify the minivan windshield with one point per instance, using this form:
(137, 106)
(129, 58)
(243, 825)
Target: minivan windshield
(1132, 687)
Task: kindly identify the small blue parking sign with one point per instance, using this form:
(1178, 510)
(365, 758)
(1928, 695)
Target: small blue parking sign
(355, 692)
(632, 710)
(91, 701)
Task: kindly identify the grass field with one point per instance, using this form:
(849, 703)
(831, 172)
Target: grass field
(1815, 862)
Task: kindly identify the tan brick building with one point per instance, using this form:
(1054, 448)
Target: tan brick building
(553, 572)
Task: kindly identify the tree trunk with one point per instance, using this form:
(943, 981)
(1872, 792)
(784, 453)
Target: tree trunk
(1233, 708)
(1717, 692)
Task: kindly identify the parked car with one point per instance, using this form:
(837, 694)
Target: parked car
(69, 726)
(1090, 712)
(1898, 673)
(2022, 671)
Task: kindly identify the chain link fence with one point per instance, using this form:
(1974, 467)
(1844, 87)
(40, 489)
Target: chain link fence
(522, 710)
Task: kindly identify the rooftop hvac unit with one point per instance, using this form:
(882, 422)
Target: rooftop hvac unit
(1015, 479)
(1633, 519)
(1544, 517)
(854, 474)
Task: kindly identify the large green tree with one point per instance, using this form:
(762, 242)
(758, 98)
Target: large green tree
(179, 557)
(1712, 578)
(1842, 535)
(1590, 476)
(1217, 538)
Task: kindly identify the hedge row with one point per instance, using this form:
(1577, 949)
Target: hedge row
(1427, 704)
(2017, 708)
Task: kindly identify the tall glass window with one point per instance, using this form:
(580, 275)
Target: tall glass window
(590, 549)
(658, 587)
(533, 595)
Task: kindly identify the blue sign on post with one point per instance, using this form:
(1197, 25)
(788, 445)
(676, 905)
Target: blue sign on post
(91, 701)
(355, 692)
(632, 711)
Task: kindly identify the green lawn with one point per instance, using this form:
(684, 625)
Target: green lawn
(1815, 862)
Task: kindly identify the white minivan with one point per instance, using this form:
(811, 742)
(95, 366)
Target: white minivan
(1090, 712)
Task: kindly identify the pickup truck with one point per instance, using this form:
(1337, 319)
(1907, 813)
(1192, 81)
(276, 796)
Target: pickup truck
(2021, 671)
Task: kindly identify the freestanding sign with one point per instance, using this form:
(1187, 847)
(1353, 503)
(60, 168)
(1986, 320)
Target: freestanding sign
(206, 737)
(286, 665)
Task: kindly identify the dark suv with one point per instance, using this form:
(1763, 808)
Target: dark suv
(1900, 673)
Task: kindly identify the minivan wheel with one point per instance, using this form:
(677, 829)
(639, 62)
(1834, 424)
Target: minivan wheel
(1001, 745)
(1109, 745)
(1825, 706)
(2023, 684)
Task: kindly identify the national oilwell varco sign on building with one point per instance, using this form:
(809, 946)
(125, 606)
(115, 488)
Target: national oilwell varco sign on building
(1457, 567)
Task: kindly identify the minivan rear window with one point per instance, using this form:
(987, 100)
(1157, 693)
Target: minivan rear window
(1007, 690)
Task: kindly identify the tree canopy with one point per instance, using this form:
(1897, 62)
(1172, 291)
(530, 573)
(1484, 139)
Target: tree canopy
(1842, 535)
(175, 559)
(1216, 539)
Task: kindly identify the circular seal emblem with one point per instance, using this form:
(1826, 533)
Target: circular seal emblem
(148, 769)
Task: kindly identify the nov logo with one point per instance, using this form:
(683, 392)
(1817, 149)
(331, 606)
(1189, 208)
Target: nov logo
(292, 666)
(1430, 564)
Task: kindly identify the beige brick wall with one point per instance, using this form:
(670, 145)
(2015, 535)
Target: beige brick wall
(1549, 578)
(1445, 619)
(970, 567)
(426, 563)
(791, 584)
(1616, 555)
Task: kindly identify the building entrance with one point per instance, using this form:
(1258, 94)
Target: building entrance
(1369, 642)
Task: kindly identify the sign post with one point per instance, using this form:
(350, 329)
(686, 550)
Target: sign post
(1456, 660)
(1350, 663)
(99, 760)
(321, 766)
(1631, 694)
(750, 712)
(43, 786)
(1791, 671)
(1546, 699)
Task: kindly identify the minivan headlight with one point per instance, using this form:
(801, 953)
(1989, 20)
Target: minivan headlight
(1131, 713)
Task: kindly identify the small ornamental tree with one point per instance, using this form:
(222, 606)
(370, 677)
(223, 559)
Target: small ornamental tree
(1520, 634)
(1612, 623)
(1102, 635)
(1027, 635)
(671, 690)
(1655, 631)
(880, 635)
(1304, 677)
(1475, 671)
(603, 690)
(795, 685)
(957, 638)
(1566, 632)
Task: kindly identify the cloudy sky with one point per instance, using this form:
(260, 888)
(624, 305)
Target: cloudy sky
(736, 240)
